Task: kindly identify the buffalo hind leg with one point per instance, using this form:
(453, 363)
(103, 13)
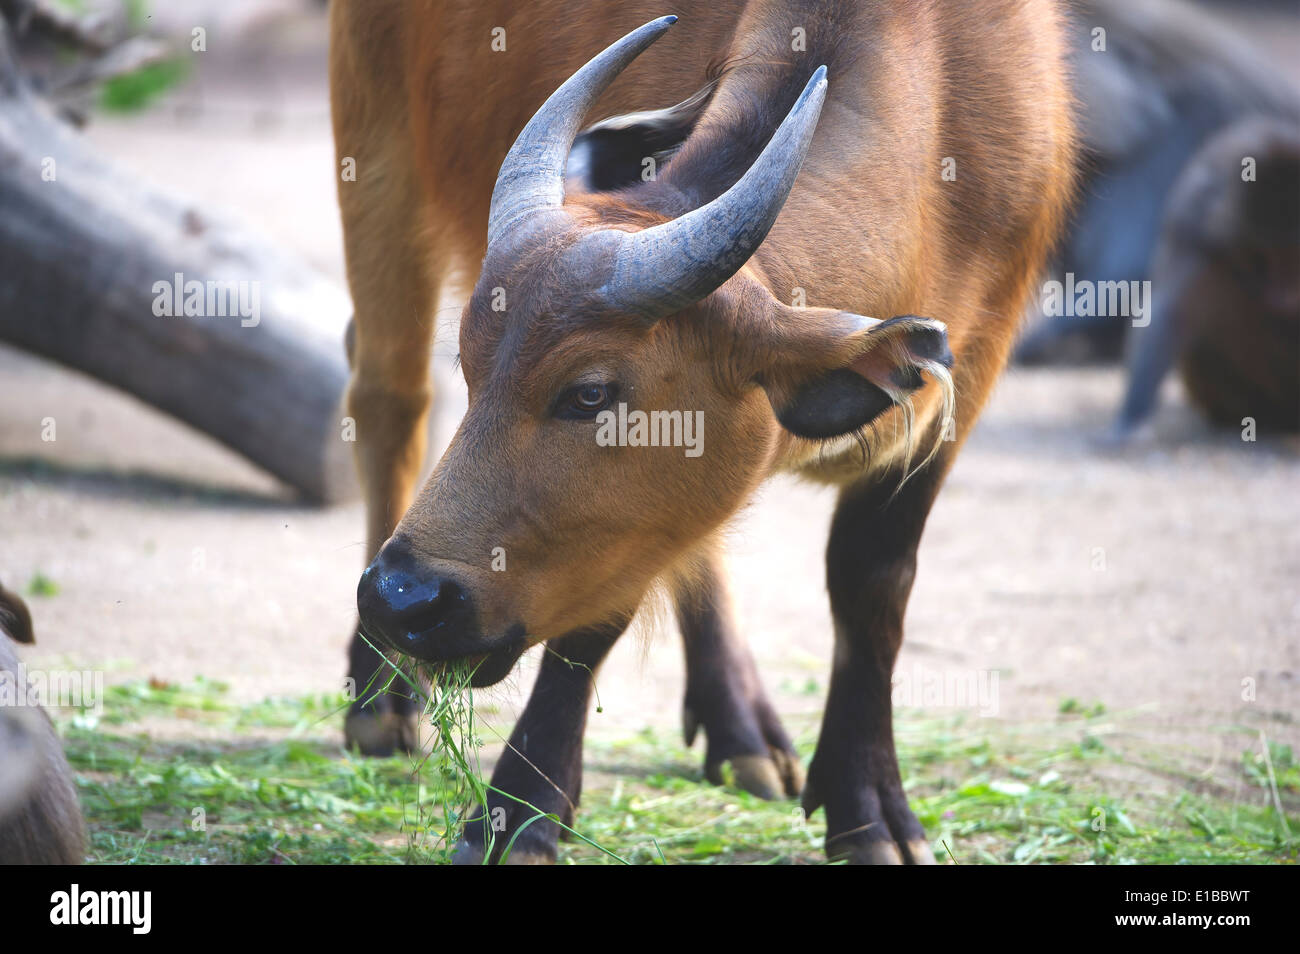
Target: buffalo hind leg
(871, 562)
(724, 694)
(541, 766)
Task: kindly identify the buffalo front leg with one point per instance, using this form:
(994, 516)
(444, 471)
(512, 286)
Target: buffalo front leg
(540, 771)
(391, 439)
(724, 694)
(871, 562)
(388, 399)
(393, 266)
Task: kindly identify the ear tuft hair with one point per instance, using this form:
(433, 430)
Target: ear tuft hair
(886, 363)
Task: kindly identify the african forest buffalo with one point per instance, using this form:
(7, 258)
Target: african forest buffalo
(1226, 270)
(849, 200)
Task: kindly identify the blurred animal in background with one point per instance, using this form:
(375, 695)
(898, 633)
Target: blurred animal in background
(1227, 267)
(40, 820)
(1159, 84)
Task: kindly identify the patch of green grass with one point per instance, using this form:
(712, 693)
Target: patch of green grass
(136, 90)
(1071, 705)
(42, 585)
(289, 801)
(205, 702)
(1061, 794)
(137, 12)
(269, 783)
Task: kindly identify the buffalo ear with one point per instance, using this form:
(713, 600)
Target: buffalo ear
(858, 369)
(833, 403)
(611, 154)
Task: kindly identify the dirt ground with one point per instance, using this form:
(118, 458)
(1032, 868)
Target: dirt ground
(1154, 580)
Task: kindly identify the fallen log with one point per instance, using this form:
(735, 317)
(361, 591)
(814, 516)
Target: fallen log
(93, 263)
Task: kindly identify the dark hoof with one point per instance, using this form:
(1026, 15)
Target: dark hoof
(887, 832)
(780, 776)
(380, 734)
(774, 774)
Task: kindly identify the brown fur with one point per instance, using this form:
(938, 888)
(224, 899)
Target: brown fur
(871, 228)
(875, 231)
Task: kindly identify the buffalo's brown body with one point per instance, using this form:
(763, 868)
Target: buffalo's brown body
(936, 182)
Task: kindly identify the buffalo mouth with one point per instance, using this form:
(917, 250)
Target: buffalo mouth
(449, 659)
(490, 668)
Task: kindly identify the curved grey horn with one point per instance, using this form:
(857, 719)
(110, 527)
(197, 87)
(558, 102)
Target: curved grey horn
(532, 175)
(663, 269)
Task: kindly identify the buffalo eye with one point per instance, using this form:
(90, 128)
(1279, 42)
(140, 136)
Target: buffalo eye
(585, 401)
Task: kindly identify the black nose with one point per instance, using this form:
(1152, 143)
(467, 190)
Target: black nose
(417, 611)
